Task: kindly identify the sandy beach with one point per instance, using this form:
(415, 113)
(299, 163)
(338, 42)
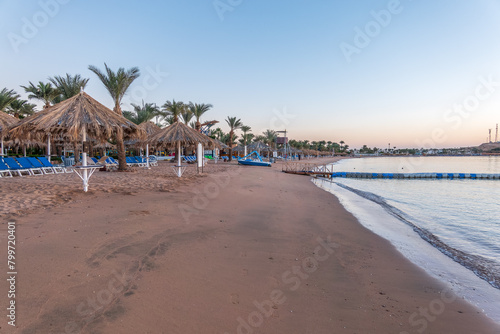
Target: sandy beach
(234, 250)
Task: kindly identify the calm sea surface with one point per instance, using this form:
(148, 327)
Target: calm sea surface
(458, 218)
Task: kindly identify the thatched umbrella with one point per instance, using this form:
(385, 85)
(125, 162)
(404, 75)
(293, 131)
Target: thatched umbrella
(239, 149)
(6, 121)
(258, 146)
(177, 135)
(76, 118)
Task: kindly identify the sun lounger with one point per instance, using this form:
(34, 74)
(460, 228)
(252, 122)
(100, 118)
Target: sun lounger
(141, 161)
(4, 169)
(15, 167)
(111, 161)
(56, 169)
(131, 162)
(190, 159)
(38, 164)
(26, 164)
(153, 161)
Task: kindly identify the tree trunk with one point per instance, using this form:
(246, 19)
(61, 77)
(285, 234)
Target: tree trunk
(230, 145)
(120, 147)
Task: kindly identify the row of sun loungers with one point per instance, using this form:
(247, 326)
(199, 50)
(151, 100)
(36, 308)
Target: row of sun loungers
(27, 166)
(30, 166)
(131, 161)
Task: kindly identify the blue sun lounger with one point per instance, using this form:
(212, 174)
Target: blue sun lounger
(140, 161)
(56, 169)
(35, 162)
(131, 162)
(15, 167)
(25, 163)
(4, 169)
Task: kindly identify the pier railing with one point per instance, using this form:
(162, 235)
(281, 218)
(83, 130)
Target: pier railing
(306, 168)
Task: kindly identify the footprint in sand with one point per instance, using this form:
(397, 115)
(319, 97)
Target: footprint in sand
(244, 272)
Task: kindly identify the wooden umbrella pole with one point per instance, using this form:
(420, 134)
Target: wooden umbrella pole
(147, 156)
(2, 154)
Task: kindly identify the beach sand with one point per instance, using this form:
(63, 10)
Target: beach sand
(236, 250)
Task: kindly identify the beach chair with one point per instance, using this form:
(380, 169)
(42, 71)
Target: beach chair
(4, 169)
(153, 161)
(141, 161)
(94, 160)
(190, 159)
(15, 167)
(131, 162)
(57, 169)
(111, 161)
(26, 164)
(38, 164)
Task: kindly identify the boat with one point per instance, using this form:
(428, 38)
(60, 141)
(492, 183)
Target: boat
(248, 161)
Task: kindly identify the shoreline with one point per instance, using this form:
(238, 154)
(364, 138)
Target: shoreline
(457, 277)
(242, 247)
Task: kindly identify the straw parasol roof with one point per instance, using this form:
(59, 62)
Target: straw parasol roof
(69, 117)
(258, 146)
(6, 121)
(149, 129)
(238, 148)
(180, 133)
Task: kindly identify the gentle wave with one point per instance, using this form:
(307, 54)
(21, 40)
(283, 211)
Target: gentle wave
(485, 269)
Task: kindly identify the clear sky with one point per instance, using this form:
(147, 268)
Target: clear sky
(419, 73)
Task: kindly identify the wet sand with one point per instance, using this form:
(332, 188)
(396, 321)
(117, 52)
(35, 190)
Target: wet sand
(237, 250)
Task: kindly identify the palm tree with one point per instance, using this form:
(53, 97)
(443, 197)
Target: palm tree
(217, 133)
(258, 138)
(234, 124)
(198, 110)
(270, 137)
(69, 86)
(21, 108)
(245, 129)
(143, 113)
(6, 98)
(186, 114)
(43, 92)
(341, 144)
(169, 120)
(117, 84)
(174, 109)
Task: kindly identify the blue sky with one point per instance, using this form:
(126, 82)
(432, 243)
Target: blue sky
(424, 74)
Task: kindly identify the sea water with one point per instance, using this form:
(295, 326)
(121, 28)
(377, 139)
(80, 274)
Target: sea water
(451, 228)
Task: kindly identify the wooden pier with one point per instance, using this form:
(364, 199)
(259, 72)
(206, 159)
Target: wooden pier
(304, 168)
